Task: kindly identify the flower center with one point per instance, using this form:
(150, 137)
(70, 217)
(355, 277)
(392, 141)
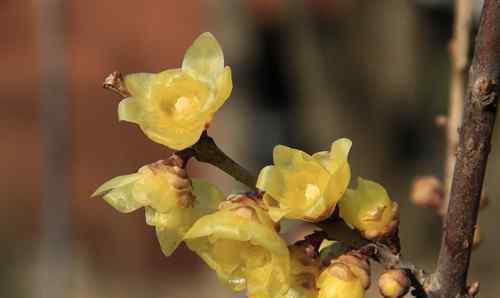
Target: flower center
(186, 107)
(312, 192)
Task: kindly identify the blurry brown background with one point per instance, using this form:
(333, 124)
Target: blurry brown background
(305, 73)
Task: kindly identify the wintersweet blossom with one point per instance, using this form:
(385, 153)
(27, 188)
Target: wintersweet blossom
(174, 106)
(172, 201)
(301, 186)
(241, 244)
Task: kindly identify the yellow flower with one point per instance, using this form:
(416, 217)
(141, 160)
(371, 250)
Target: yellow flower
(369, 209)
(174, 106)
(304, 270)
(241, 244)
(338, 281)
(172, 202)
(300, 186)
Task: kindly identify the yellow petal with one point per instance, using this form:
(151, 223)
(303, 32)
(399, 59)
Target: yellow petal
(138, 83)
(175, 138)
(337, 157)
(115, 183)
(118, 193)
(208, 197)
(130, 110)
(368, 208)
(224, 86)
(204, 60)
(171, 228)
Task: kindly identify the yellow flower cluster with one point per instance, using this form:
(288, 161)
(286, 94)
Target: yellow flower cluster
(239, 237)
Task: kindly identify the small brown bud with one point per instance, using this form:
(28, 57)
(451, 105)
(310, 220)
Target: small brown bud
(477, 237)
(427, 191)
(394, 284)
(473, 289)
(441, 121)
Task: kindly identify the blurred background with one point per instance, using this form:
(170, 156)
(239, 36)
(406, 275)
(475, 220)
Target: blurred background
(305, 73)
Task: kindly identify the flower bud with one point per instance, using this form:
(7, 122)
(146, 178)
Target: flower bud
(370, 210)
(394, 284)
(301, 186)
(477, 236)
(427, 191)
(359, 265)
(338, 281)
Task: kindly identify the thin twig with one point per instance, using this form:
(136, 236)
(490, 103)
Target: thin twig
(204, 150)
(473, 150)
(459, 52)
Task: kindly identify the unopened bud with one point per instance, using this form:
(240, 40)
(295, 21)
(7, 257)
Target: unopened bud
(427, 191)
(477, 237)
(394, 284)
(359, 266)
(338, 281)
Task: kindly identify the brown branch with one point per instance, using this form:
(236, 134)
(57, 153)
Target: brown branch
(473, 150)
(459, 52)
(204, 150)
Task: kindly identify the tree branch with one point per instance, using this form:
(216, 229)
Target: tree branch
(207, 151)
(204, 150)
(459, 52)
(473, 149)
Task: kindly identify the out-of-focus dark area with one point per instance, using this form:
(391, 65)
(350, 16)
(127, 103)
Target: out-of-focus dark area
(305, 73)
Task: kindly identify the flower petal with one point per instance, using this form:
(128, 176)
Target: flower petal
(115, 183)
(138, 83)
(224, 86)
(130, 110)
(174, 138)
(208, 197)
(204, 60)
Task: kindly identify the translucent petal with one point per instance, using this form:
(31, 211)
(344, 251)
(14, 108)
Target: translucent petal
(204, 60)
(122, 200)
(224, 86)
(171, 227)
(368, 207)
(272, 181)
(337, 157)
(130, 110)
(208, 197)
(115, 183)
(138, 83)
(173, 138)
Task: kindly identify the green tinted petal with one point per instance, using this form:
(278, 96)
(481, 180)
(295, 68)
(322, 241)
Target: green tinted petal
(224, 86)
(138, 83)
(204, 60)
(115, 183)
(121, 199)
(130, 110)
(208, 197)
(171, 228)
